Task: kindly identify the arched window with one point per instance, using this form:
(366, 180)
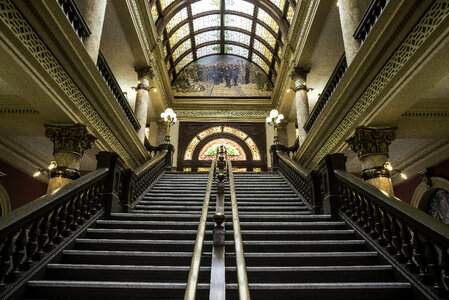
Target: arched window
(234, 150)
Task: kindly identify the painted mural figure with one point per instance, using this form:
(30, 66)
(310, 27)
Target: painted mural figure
(222, 75)
(439, 205)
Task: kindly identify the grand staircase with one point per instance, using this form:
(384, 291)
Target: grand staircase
(289, 253)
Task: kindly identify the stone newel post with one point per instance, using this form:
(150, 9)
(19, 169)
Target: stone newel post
(371, 146)
(70, 141)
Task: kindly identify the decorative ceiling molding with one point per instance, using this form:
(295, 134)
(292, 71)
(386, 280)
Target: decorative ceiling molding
(231, 114)
(426, 115)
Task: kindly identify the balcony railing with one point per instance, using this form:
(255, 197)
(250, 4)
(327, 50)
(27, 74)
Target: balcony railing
(327, 92)
(75, 17)
(369, 19)
(113, 85)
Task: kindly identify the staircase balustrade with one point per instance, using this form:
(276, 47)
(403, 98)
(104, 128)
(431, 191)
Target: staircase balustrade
(369, 19)
(117, 92)
(192, 281)
(75, 17)
(152, 150)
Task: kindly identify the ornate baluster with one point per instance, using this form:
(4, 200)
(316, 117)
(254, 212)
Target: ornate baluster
(418, 254)
(346, 201)
(351, 204)
(53, 231)
(83, 209)
(386, 222)
(6, 253)
(445, 264)
(362, 219)
(43, 236)
(31, 245)
(370, 224)
(99, 193)
(18, 255)
(76, 213)
(90, 203)
(407, 247)
(62, 224)
(396, 240)
(356, 203)
(433, 268)
(378, 225)
(70, 216)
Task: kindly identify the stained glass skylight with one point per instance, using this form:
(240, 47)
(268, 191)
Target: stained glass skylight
(205, 5)
(207, 36)
(238, 21)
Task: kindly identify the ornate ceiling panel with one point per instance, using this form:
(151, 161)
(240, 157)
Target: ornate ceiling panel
(251, 29)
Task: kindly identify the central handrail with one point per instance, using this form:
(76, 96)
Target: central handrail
(242, 277)
(197, 252)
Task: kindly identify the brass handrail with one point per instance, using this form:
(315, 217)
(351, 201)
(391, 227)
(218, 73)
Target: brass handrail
(198, 250)
(239, 255)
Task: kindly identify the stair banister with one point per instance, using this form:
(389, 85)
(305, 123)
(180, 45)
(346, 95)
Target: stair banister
(197, 252)
(242, 277)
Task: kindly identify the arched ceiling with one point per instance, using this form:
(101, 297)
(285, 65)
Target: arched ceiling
(252, 29)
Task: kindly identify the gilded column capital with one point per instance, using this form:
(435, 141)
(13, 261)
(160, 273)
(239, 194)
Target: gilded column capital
(371, 140)
(144, 72)
(69, 138)
(299, 73)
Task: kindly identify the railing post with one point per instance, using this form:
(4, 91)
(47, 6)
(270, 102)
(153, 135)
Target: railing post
(170, 149)
(330, 198)
(275, 158)
(111, 186)
(314, 184)
(128, 183)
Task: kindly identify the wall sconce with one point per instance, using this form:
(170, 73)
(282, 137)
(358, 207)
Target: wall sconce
(389, 167)
(46, 171)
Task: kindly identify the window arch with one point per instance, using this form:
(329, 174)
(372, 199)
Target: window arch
(234, 150)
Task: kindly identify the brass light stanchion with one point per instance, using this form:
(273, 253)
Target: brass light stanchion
(169, 117)
(274, 120)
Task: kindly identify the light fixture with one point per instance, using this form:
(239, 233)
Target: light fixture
(274, 120)
(153, 88)
(46, 171)
(389, 167)
(169, 117)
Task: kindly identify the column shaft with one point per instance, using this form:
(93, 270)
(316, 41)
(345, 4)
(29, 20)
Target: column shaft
(349, 18)
(302, 110)
(142, 100)
(94, 17)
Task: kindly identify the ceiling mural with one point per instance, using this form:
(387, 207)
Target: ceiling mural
(222, 76)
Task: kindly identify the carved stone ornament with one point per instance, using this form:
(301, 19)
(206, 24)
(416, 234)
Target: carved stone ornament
(371, 140)
(69, 138)
(144, 72)
(299, 73)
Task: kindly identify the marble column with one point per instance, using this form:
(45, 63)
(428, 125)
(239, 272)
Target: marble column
(299, 75)
(145, 74)
(371, 146)
(349, 18)
(94, 16)
(69, 143)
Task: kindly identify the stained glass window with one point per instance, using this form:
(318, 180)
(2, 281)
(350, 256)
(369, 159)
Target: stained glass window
(187, 169)
(165, 51)
(240, 6)
(207, 36)
(265, 35)
(206, 21)
(237, 36)
(290, 14)
(236, 50)
(239, 170)
(253, 147)
(190, 148)
(263, 16)
(209, 131)
(165, 3)
(276, 66)
(168, 65)
(203, 169)
(259, 61)
(178, 18)
(235, 132)
(181, 49)
(257, 170)
(263, 49)
(234, 150)
(179, 34)
(154, 13)
(205, 5)
(279, 4)
(186, 60)
(238, 21)
(208, 50)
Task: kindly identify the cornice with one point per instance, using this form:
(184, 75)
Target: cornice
(222, 115)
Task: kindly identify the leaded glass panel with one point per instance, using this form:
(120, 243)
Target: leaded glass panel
(263, 49)
(209, 131)
(263, 16)
(240, 6)
(238, 21)
(254, 150)
(181, 49)
(235, 132)
(165, 51)
(236, 36)
(167, 64)
(208, 50)
(265, 35)
(206, 21)
(154, 13)
(205, 5)
(236, 50)
(179, 34)
(207, 36)
(290, 14)
(165, 3)
(259, 61)
(279, 4)
(178, 18)
(186, 60)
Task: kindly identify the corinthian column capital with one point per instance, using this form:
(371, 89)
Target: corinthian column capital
(371, 140)
(144, 72)
(299, 73)
(69, 138)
